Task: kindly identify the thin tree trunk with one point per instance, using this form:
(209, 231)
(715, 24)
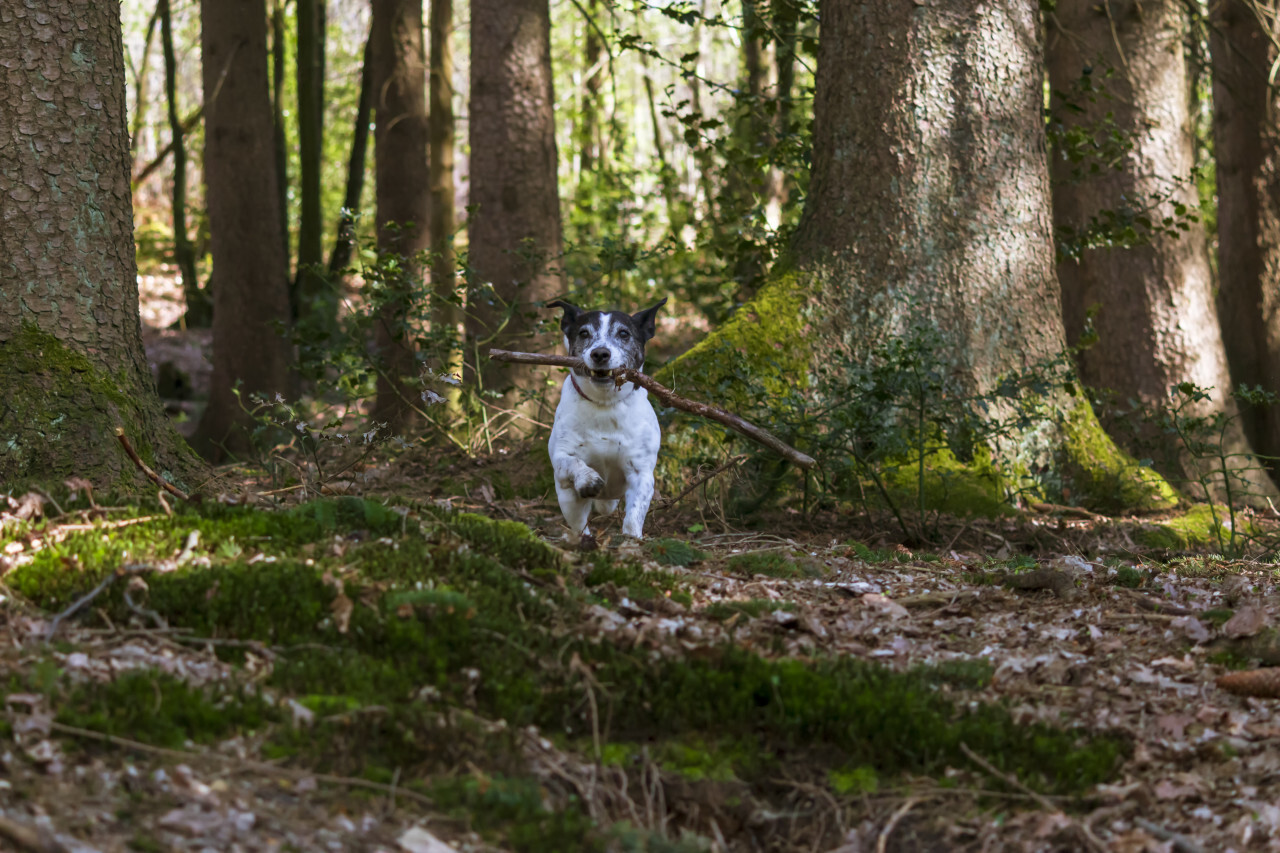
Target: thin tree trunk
(786, 20)
(199, 309)
(1156, 322)
(1246, 125)
(72, 365)
(279, 137)
(345, 241)
(140, 99)
(666, 174)
(316, 302)
(588, 135)
(250, 292)
(447, 315)
(514, 233)
(403, 193)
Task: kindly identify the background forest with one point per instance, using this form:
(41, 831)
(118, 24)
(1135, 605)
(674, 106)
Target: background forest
(281, 566)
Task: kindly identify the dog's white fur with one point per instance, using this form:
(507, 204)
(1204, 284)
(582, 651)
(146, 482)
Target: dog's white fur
(604, 445)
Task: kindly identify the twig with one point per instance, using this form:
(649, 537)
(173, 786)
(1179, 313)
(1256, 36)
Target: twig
(733, 461)
(48, 497)
(146, 469)
(1181, 843)
(1092, 840)
(883, 841)
(669, 398)
(28, 838)
(79, 603)
(240, 763)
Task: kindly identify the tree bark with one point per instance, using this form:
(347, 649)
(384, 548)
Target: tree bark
(250, 288)
(1156, 321)
(199, 309)
(317, 303)
(514, 232)
(928, 204)
(141, 77)
(279, 140)
(340, 257)
(447, 315)
(1246, 134)
(403, 195)
(72, 366)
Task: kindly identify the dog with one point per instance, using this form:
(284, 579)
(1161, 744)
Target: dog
(604, 441)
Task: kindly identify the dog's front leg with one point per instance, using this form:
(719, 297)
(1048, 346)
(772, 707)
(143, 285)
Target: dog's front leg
(576, 484)
(639, 494)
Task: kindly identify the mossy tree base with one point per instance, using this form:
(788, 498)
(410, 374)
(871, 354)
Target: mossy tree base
(59, 416)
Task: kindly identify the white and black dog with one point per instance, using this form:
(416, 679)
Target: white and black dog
(604, 443)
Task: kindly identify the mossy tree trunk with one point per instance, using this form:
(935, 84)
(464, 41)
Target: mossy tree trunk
(1155, 320)
(928, 203)
(403, 194)
(72, 366)
(514, 233)
(251, 349)
(1246, 136)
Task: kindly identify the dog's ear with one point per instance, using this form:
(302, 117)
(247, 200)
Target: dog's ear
(571, 313)
(645, 320)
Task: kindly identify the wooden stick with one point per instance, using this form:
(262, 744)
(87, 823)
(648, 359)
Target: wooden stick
(146, 469)
(668, 398)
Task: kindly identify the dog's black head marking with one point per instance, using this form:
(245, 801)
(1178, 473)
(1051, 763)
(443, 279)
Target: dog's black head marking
(606, 340)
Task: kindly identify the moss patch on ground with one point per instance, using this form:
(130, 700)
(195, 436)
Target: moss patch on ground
(394, 631)
(1201, 526)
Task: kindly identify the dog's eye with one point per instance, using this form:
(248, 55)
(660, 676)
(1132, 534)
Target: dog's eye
(584, 334)
(624, 334)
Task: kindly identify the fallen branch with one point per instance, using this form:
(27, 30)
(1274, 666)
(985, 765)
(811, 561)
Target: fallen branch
(670, 502)
(146, 469)
(79, 603)
(669, 398)
(29, 838)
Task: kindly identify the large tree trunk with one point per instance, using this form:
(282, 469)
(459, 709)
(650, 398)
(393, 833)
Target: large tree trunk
(446, 302)
(280, 136)
(514, 233)
(1246, 135)
(403, 193)
(1155, 320)
(249, 280)
(72, 367)
(928, 204)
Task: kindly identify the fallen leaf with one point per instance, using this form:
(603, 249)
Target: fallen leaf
(415, 839)
(1246, 622)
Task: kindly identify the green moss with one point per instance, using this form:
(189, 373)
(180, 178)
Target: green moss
(975, 488)
(673, 552)
(1129, 577)
(961, 673)
(60, 413)
(1100, 475)
(513, 809)
(854, 781)
(1216, 617)
(510, 542)
(1201, 526)
(159, 709)
(638, 582)
(773, 564)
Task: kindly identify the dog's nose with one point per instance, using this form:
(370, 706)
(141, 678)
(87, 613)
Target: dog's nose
(600, 356)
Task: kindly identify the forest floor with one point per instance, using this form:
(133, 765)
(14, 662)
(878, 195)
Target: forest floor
(406, 659)
(331, 674)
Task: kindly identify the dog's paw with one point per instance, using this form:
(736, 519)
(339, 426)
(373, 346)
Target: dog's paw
(589, 486)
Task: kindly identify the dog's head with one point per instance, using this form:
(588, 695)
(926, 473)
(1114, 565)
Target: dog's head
(606, 340)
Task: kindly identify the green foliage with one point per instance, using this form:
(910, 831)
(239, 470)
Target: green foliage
(673, 552)
(770, 563)
(516, 807)
(857, 780)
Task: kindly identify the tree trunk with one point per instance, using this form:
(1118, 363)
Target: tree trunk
(199, 309)
(404, 194)
(916, 217)
(514, 232)
(316, 301)
(1246, 137)
(141, 77)
(588, 133)
(446, 302)
(279, 137)
(72, 367)
(1156, 322)
(786, 18)
(345, 241)
(250, 291)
